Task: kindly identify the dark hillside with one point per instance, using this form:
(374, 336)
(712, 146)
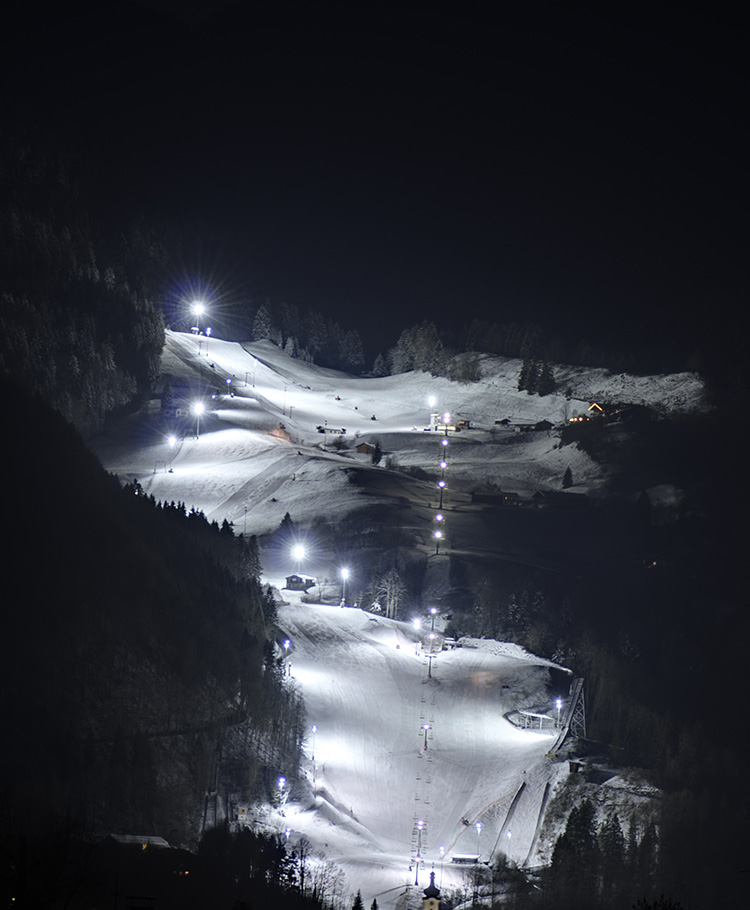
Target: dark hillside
(135, 669)
(80, 308)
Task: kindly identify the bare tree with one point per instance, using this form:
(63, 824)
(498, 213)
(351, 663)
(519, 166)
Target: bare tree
(391, 589)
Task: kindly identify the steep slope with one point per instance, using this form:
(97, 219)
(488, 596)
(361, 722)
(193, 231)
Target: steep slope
(407, 748)
(264, 446)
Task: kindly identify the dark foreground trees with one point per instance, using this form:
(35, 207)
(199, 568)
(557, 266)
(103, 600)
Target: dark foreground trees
(137, 662)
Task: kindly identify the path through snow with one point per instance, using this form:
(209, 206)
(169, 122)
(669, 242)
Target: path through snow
(365, 683)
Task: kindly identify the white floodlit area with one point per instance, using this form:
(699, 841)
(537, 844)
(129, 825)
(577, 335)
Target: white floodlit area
(413, 754)
(393, 747)
(263, 445)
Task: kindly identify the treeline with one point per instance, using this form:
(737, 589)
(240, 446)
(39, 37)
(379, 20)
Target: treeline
(426, 347)
(303, 334)
(229, 870)
(267, 871)
(80, 320)
(138, 663)
(597, 863)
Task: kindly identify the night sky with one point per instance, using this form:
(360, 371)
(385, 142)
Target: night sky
(386, 163)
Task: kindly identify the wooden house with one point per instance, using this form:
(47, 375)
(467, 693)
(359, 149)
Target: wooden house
(299, 582)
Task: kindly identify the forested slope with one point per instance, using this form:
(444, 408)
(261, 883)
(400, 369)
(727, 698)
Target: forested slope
(80, 320)
(137, 664)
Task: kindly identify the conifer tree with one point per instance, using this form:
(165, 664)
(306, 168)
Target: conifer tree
(532, 382)
(528, 378)
(379, 366)
(352, 355)
(546, 381)
(567, 480)
(523, 377)
(286, 523)
(262, 324)
(613, 854)
(253, 557)
(316, 335)
(358, 905)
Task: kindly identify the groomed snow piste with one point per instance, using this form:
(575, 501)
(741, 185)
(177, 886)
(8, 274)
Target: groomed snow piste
(376, 699)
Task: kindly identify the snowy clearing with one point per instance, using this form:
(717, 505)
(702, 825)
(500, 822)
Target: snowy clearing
(370, 780)
(373, 796)
(258, 450)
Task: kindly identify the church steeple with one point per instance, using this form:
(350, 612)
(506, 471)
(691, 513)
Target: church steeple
(431, 895)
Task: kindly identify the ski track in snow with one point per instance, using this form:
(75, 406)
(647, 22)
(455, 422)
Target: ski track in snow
(238, 471)
(364, 684)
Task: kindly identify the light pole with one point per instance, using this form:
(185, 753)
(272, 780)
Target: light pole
(344, 577)
(433, 614)
(441, 487)
(425, 727)
(558, 705)
(198, 409)
(198, 309)
(282, 792)
(247, 372)
(442, 860)
(314, 730)
(418, 858)
(298, 551)
(509, 834)
(479, 833)
(438, 535)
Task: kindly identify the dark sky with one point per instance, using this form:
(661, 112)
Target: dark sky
(391, 162)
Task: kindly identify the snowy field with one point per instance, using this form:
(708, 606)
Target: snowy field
(370, 688)
(236, 463)
(374, 797)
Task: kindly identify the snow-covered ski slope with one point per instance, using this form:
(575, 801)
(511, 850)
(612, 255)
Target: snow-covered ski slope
(240, 471)
(364, 680)
(368, 779)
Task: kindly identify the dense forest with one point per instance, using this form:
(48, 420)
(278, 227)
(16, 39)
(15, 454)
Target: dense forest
(141, 683)
(80, 321)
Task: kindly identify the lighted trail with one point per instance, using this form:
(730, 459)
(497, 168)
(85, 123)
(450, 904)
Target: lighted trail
(365, 686)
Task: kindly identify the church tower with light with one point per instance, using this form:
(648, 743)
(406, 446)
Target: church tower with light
(431, 900)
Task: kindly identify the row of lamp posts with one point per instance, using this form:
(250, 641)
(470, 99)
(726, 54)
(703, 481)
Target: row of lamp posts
(438, 533)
